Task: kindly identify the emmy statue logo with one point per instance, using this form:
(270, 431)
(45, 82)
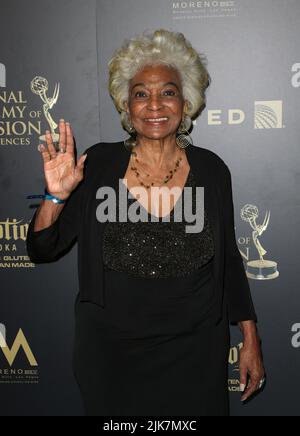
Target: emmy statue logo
(39, 86)
(260, 269)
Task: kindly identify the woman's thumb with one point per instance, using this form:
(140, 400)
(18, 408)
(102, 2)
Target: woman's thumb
(80, 166)
(243, 379)
(81, 160)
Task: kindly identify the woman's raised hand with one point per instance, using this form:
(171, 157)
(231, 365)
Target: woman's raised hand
(62, 173)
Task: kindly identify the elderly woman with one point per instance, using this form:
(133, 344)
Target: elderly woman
(155, 301)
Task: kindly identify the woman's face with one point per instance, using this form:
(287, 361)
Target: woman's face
(155, 102)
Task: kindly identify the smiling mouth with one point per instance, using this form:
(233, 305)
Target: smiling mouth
(156, 120)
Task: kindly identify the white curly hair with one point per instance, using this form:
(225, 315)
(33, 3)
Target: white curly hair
(160, 47)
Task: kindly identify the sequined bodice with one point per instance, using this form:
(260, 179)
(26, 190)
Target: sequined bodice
(157, 248)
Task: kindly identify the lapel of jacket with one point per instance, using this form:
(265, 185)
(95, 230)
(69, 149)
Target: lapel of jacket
(204, 177)
(115, 168)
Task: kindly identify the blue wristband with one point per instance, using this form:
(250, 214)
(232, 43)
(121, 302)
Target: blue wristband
(53, 198)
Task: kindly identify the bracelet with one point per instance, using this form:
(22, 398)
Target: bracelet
(55, 200)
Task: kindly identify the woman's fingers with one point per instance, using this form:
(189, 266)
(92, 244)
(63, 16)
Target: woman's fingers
(254, 385)
(50, 145)
(44, 152)
(243, 379)
(62, 136)
(66, 142)
(69, 139)
(251, 388)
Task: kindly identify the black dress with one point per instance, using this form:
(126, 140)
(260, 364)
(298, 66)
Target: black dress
(154, 350)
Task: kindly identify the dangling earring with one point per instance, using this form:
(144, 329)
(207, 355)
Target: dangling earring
(183, 140)
(130, 142)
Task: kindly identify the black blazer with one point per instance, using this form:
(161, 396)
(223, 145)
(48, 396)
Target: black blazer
(106, 163)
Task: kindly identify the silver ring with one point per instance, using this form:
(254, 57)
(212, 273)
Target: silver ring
(261, 383)
(62, 150)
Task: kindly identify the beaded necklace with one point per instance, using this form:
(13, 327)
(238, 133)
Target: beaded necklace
(165, 180)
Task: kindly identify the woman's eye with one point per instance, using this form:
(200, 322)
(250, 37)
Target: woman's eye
(140, 94)
(170, 92)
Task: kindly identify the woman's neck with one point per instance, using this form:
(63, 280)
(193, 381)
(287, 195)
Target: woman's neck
(158, 153)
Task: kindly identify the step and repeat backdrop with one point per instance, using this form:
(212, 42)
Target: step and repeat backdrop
(53, 64)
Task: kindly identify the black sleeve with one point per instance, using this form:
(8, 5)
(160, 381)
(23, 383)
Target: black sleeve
(237, 289)
(52, 242)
